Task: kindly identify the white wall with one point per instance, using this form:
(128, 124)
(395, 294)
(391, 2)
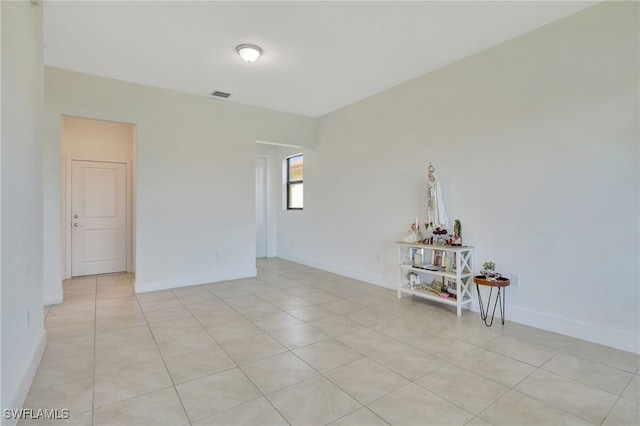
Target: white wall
(195, 190)
(21, 189)
(535, 143)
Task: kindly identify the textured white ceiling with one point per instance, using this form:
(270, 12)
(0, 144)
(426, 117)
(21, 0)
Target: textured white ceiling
(318, 56)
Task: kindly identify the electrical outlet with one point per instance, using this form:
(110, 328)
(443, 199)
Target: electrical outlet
(515, 280)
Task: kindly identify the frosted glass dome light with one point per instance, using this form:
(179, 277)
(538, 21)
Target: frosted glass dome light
(249, 52)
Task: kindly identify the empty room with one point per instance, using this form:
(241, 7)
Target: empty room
(320, 213)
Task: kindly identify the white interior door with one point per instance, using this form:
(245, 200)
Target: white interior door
(261, 207)
(98, 218)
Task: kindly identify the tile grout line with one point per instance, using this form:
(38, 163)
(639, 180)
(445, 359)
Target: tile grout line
(323, 288)
(573, 379)
(136, 396)
(164, 363)
(321, 374)
(227, 354)
(545, 402)
(238, 366)
(609, 411)
(289, 350)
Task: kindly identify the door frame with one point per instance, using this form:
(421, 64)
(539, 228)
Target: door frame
(269, 235)
(67, 216)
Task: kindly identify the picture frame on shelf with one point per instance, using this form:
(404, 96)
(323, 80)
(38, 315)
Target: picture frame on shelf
(437, 257)
(417, 257)
(447, 264)
(450, 286)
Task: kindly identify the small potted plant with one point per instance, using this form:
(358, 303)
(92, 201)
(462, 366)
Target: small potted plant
(489, 270)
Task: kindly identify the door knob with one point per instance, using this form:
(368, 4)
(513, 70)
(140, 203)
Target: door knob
(77, 225)
(75, 216)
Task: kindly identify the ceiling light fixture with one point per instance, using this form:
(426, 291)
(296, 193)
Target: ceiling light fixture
(249, 52)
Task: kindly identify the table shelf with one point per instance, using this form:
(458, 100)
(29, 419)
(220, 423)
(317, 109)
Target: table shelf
(453, 275)
(432, 296)
(460, 259)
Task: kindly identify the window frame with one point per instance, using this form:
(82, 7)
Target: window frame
(290, 182)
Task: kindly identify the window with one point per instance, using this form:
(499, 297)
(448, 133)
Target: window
(295, 169)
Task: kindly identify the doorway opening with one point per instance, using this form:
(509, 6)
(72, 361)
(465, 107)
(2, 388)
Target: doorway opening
(98, 197)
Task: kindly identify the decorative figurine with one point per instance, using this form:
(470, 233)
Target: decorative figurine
(413, 235)
(435, 286)
(457, 233)
(414, 280)
(435, 204)
(428, 234)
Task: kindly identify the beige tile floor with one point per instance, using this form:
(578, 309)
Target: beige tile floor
(301, 346)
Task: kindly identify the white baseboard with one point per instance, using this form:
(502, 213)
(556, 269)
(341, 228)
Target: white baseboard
(592, 333)
(376, 279)
(53, 293)
(54, 301)
(146, 286)
(19, 398)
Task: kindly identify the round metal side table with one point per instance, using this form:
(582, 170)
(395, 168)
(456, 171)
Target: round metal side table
(500, 284)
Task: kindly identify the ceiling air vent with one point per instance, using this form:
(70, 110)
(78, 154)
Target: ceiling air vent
(220, 94)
